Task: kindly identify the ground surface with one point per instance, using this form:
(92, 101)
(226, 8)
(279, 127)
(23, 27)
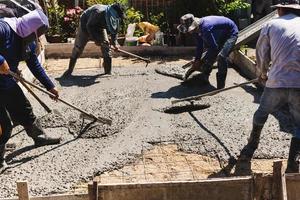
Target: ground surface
(133, 97)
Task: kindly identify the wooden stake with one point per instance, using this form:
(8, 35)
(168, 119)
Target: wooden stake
(22, 188)
(93, 190)
(279, 183)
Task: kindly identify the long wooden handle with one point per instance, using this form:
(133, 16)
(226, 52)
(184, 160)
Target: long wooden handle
(188, 64)
(100, 119)
(134, 55)
(198, 97)
(36, 97)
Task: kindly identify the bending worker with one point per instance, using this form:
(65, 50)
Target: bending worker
(278, 44)
(216, 33)
(17, 36)
(95, 23)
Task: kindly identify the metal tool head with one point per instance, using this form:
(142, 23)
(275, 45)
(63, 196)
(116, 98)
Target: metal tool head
(95, 119)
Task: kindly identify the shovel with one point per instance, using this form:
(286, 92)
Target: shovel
(198, 97)
(84, 113)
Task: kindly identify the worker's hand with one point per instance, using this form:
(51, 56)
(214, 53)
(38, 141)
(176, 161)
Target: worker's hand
(55, 94)
(116, 47)
(262, 79)
(4, 68)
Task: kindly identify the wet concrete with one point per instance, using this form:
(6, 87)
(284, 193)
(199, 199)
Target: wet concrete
(131, 97)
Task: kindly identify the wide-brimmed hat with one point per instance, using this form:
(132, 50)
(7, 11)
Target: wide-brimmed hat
(293, 4)
(188, 23)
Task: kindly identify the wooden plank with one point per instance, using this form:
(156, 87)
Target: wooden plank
(279, 183)
(22, 188)
(213, 189)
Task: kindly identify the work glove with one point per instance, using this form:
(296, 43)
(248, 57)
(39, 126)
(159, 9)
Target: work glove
(55, 94)
(197, 66)
(4, 68)
(262, 79)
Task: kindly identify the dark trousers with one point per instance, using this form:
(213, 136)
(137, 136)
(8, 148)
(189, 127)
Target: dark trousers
(14, 106)
(221, 57)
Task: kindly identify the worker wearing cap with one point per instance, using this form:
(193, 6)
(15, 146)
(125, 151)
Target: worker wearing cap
(278, 44)
(95, 23)
(17, 37)
(216, 33)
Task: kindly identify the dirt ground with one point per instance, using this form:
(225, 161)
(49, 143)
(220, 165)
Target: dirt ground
(134, 97)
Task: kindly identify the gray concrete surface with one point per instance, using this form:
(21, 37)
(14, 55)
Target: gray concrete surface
(132, 98)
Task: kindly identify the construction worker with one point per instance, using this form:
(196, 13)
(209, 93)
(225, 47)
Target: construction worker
(149, 31)
(95, 23)
(216, 33)
(17, 44)
(278, 44)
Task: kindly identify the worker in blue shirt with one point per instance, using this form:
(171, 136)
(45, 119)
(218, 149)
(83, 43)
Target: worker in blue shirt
(218, 35)
(17, 44)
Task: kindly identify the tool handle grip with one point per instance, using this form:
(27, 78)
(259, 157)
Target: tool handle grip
(36, 97)
(213, 92)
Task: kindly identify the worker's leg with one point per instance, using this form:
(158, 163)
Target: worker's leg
(21, 110)
(106, 53)
(5, 133)
(271, 100)
(294, 153)
(80, 42)
(223, 61)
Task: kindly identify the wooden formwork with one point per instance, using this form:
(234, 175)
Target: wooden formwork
(259, 187)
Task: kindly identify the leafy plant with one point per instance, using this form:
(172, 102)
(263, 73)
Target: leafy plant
(159, 20)
(56, 15)
(106, 2)
(235, 5)
(132, 16)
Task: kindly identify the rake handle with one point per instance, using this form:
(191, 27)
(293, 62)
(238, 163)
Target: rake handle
(134, 55)
(100, 119)
(36, 97)
(213, 92)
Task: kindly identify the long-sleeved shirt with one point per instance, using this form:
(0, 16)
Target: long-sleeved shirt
(214, 30)
(93, 22)
(279, 43)
(11, 52)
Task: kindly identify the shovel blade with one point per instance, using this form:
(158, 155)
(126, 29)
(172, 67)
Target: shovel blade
(94, 118)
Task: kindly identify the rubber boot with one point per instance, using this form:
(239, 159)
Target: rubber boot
(294, 156)
(243, 165)
(70, 68)
(220, 80)
(107, 65)
(3, 164)
(39, 137)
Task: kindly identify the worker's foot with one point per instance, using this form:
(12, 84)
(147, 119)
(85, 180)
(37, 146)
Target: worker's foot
(36, 132)
(66, 74)
(43, 140)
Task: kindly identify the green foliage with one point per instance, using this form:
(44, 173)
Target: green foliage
(159, 20)
(106, 2)
(235, 5)
(132, 16)
(56, 15)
